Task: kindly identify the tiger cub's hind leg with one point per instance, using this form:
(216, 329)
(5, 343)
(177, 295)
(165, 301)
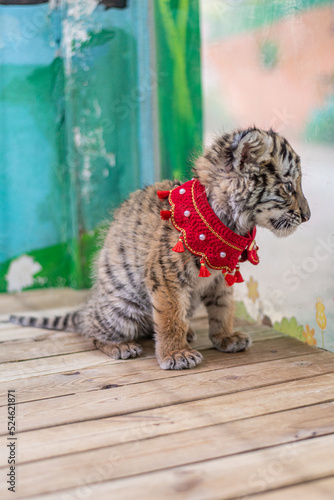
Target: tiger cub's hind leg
(112, 329)
(218, 300)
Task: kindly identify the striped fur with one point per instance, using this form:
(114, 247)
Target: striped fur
(142, 288)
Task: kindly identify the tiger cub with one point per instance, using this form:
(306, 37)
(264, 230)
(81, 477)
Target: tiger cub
(248, 178)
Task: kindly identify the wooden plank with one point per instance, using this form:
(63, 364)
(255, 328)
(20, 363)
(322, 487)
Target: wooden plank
(201, 323)
(266, 335)
(35, 300)
(189, 386)
(83, 436)
(48, 364)
(44, 346)
(4, 325)
(97, 377)
(70, 362)
(221, 478)
(56, 364)
(321, 489)
(257, 332)
(211, 477)
(15, 333)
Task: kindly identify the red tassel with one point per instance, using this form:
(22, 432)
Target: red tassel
(179, 248)
(163, 194)
(204, 272)
(230, 279)
(165, 214)
(238, 276)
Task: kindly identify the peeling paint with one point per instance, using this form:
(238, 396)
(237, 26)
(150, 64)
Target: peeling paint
(79, 8)
(111, 159)
(21, 273)
(77, 27)
(91, 146)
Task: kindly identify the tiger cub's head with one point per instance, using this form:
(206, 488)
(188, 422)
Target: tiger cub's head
(253, 177)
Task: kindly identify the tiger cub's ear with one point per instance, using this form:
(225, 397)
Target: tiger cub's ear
(245, 150)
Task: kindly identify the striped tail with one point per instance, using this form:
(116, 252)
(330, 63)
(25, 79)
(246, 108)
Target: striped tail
(68, 322)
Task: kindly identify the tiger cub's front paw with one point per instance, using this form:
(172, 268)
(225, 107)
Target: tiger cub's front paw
(236, 342)
(181, 359)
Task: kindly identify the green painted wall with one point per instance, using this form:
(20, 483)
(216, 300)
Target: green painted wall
(179, 93)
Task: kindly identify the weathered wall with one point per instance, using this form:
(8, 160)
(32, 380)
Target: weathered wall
(91, 107)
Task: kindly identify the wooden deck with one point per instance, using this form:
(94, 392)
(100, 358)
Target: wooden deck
(255, 425)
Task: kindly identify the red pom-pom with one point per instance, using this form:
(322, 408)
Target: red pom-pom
(204, 272)
(230, 279)
(179, 248)
(163, 194)
(238, 276)
(165, 214)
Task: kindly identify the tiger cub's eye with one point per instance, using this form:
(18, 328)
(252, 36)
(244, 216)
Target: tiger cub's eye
(288, 187)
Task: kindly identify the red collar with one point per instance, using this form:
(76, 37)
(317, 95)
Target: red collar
(204, 234)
